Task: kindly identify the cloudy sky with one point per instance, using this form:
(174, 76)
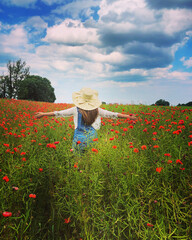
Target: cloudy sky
(131, 51)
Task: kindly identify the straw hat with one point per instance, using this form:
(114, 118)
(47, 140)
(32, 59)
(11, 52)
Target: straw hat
(86, 99)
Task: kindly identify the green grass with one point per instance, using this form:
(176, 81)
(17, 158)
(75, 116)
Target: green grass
(113, 194)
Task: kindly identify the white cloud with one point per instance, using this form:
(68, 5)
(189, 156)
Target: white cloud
(77, 7)
(187, 62)
(20, 3)
(36, 22)
(15, 42)
(71, 32)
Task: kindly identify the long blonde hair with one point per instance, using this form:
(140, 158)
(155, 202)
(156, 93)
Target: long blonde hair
(89, 116)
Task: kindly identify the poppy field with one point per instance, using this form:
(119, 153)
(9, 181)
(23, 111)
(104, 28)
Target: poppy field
(134, 183)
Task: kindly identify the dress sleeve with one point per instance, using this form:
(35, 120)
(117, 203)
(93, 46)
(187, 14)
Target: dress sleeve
(65, 113)
(107, 114)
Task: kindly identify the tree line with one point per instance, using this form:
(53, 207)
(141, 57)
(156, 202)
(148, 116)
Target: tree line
(162, 102)
(19, 84)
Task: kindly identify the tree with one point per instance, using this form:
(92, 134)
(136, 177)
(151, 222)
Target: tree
(189, 104)
(36, 88)
(3, 87)
(9, 84)
(162, 102)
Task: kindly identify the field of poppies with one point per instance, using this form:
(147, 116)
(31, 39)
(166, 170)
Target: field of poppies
(135, 183)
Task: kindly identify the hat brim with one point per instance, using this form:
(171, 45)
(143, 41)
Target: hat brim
(85, 105)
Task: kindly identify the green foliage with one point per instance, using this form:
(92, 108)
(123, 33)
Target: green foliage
(36, 88)
(189, 104)
(113, 194)
(9, 84)
(162, 102)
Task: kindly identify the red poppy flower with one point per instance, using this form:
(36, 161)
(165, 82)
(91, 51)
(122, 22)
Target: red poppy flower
(32, 195)
(7, 214)
(6, 179)
(95, 139)
(56, 142)
(51, 145)
(76, 165)
(78, 142)
(150, 225)
(159, 169)
(40, 169)
(125, 129)
(6, 144)
(114, 147)
(67, 220)
(136, 150)
(143, 147)
(167, 154)
(178, 161)
(112, 138)
(169, 161)
(94, 150)
(156, 146)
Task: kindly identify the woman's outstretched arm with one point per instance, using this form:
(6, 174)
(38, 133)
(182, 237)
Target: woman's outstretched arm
(43, 114)
(131, 117)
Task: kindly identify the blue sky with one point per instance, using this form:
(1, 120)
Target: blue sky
(131, 51)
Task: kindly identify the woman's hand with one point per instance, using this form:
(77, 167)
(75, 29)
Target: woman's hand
(39, 115)
(132, 117)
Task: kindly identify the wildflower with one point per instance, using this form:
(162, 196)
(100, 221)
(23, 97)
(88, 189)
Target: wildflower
(95, 139)
(156, 146)
(67, 220)
(169, 161)
(154, 133)
(7, 214)
(150, 225)
(40, 169)
(6, 144)
(51, 145)
(125, 129)
(178, 161)
(94, 150)
(78, 142)
(71, 150)
(76, 165)
(159, 169)
(32, 195)
(114, 147)
(112, 138)
(6, 179)
(143, 147)
(56, 142)
(182, 169)
(136, 150)
(23, 153)
(167, 154)
(23, 159)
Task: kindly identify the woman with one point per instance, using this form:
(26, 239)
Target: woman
(87, 117)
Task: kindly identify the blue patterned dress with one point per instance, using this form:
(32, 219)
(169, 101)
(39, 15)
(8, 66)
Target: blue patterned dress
(83, 135)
